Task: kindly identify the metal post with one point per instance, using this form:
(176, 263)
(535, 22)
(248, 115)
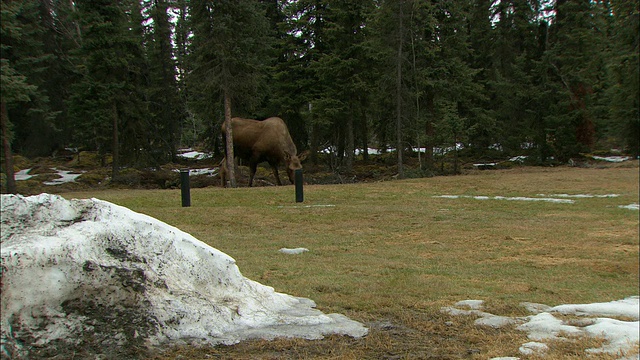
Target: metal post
(298, 181)
(184, 187)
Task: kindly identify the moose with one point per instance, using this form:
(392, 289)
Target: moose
(256, 141)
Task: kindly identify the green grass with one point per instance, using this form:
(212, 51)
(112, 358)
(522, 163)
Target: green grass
(391, 250)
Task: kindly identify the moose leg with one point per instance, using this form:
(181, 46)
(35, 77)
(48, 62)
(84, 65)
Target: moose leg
(275, 173)
(253, 167)
(223, 172)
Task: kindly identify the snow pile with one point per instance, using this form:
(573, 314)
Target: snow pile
(84, 272)
(621, 336)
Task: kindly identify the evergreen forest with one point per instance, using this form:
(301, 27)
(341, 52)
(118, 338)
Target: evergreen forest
(136, 80)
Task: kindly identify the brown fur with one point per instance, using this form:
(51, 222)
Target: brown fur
(267, 140)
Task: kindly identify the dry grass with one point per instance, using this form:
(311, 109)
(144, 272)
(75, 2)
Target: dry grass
(390, 255)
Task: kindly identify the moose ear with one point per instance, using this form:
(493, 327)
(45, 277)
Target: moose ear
(303, 155)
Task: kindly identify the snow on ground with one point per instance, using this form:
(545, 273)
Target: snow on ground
(295, 251)
(555, 198)
(306, 206)
(193, 154)
(65, 177)
(622, 336)
(203, 171)
(581, 196)
(87, 269)
(633, 206)
(518, 198)
(23, 175)
(612, 158)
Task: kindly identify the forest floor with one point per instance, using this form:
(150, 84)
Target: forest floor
(86, 171)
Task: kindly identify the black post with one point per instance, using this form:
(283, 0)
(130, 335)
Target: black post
(184, 187)
(298, 181)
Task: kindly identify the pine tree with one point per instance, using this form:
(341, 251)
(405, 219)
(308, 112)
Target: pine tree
(298, 87)
(575, 57)
(513, 48)
(454, 95)
(166, 111)
(14, 90)
(389, 44)
(21, 60)
(108, 101)
(341, 72)
(229, 53)
(623, 96)
(28, 49)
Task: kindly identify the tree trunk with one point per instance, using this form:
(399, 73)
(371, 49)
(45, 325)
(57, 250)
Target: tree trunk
(115, 153)
(455, 154)
(349, 144)
(429, 131)
(314, 138)
(72, 5)
(231, 169)
(6, 147)
(399, 95)
(365, 135)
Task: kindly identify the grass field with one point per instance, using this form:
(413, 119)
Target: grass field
(391, 254)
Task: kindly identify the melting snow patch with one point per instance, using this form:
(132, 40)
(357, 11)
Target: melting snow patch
(545, 326)
(305, 206)
(472, 304)
(520, 158)
(204, 171)
(65, 177)
(495, 321)
(533, 347)
(518, 198)
(630, 207)
(22, 175)
(295, 251)
(486, 319)
(193, 154)
(79, 269)
(621, 336)
(535, 308)
(447, 196)
(582, 196)
(626, 308)
(611, 158)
